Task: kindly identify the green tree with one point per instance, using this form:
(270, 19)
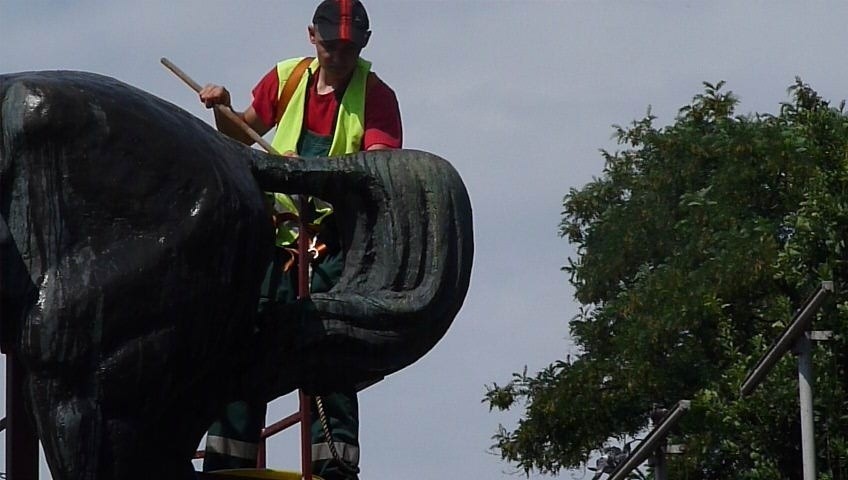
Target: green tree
(694, 249)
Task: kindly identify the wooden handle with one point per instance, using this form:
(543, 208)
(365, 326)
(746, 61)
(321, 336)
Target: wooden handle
(181, 74)
(223, 109)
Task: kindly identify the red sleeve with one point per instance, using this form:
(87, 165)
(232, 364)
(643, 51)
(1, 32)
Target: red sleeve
(382, 117)
(265, 97)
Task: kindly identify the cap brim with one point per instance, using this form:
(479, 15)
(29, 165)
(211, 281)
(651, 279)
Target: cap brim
(329, 33)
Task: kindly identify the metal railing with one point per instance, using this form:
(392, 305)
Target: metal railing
(652, 444)
(796, 337)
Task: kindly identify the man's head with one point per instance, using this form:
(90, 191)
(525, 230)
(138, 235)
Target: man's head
(339, 31)
(344, 20)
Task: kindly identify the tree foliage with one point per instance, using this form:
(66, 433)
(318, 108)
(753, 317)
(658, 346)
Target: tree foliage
(694, 249)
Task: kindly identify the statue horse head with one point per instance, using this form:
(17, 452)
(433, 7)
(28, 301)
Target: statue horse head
(133, 241)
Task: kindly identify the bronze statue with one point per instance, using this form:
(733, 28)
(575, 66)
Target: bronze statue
(133, 240)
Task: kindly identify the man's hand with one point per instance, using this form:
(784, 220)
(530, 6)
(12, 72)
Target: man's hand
(379, 146)
(212, 95)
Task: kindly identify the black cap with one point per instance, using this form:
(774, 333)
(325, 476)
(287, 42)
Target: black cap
(342, 20)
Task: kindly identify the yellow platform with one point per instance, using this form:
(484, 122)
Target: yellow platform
(247, 473)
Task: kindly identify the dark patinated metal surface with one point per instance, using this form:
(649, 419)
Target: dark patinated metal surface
(133, 239)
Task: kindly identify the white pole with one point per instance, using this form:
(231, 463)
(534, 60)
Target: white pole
(805, 391)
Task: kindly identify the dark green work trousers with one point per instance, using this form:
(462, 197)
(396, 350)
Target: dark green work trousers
(232, 441)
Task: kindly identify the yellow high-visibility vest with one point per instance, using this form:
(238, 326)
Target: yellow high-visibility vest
(347, 136)
(350, 123)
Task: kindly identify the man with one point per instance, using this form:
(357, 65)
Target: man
(337, 107)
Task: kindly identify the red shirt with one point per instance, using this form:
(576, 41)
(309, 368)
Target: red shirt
(382, 115)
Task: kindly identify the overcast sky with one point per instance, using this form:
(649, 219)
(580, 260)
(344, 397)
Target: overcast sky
(518, 95)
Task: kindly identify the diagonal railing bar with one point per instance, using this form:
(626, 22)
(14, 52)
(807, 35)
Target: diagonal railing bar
(796, 328)
(652, 442)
